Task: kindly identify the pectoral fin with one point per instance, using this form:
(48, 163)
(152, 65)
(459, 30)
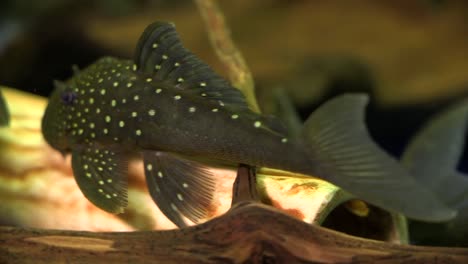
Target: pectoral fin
(101, 175)
(180, 187)
(339, 143)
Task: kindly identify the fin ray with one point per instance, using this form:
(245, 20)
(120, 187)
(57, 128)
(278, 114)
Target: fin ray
(354, 162)
(160, 54)
(433, 154)
(101, 175)
(180, 187)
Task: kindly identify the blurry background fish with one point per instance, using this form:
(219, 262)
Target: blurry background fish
(411, 56)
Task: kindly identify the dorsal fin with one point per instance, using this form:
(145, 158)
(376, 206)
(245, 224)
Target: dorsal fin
(161, 55)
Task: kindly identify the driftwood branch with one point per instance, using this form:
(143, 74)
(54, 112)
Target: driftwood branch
(249, 232)
(231, 57)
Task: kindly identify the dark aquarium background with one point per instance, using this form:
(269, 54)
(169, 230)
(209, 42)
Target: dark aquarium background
(411, 56)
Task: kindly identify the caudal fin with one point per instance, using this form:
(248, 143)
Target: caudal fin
(338, 140)
(433, 155)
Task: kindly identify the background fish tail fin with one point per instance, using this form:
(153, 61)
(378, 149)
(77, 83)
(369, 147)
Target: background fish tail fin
(340, 144)
(433, 154)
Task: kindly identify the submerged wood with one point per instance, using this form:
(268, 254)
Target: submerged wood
(250, 232)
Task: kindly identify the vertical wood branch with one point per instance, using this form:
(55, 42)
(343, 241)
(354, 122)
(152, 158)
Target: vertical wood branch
(231, 57)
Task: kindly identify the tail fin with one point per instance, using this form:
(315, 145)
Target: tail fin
(338, 140)
(434, 165)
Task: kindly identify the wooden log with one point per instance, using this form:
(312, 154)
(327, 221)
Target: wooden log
(248, 233)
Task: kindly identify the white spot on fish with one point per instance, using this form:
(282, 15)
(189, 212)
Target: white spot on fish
(192, 109)
(164, 57)
(129, 84)
(155, 45)
(176, 64)
(101, 182)
(180, 80)
(149, 80)
(284, 140)
(177, 97)
(214, 110)
(136, 97)
(203, 84)
(103, 91)
(134, 114)
(115, 84)
(121, 123)
(108, 119)
(159, 90)
(235, 116)
(185, 185)
(257, 124)
(160, 174)
(149, 167)
(151, 112)
(138, 132)
(113, 103)
(174, 207)
(180, 197)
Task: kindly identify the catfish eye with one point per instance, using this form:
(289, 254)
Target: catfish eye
(68, 97)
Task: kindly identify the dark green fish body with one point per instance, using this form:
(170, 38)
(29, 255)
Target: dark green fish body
(169, 106)
(167, 119)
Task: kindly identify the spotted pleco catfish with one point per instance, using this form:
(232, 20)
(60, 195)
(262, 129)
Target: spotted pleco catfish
(174, 109)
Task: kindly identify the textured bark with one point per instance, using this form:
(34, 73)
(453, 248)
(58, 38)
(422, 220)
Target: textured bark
(249, 232)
